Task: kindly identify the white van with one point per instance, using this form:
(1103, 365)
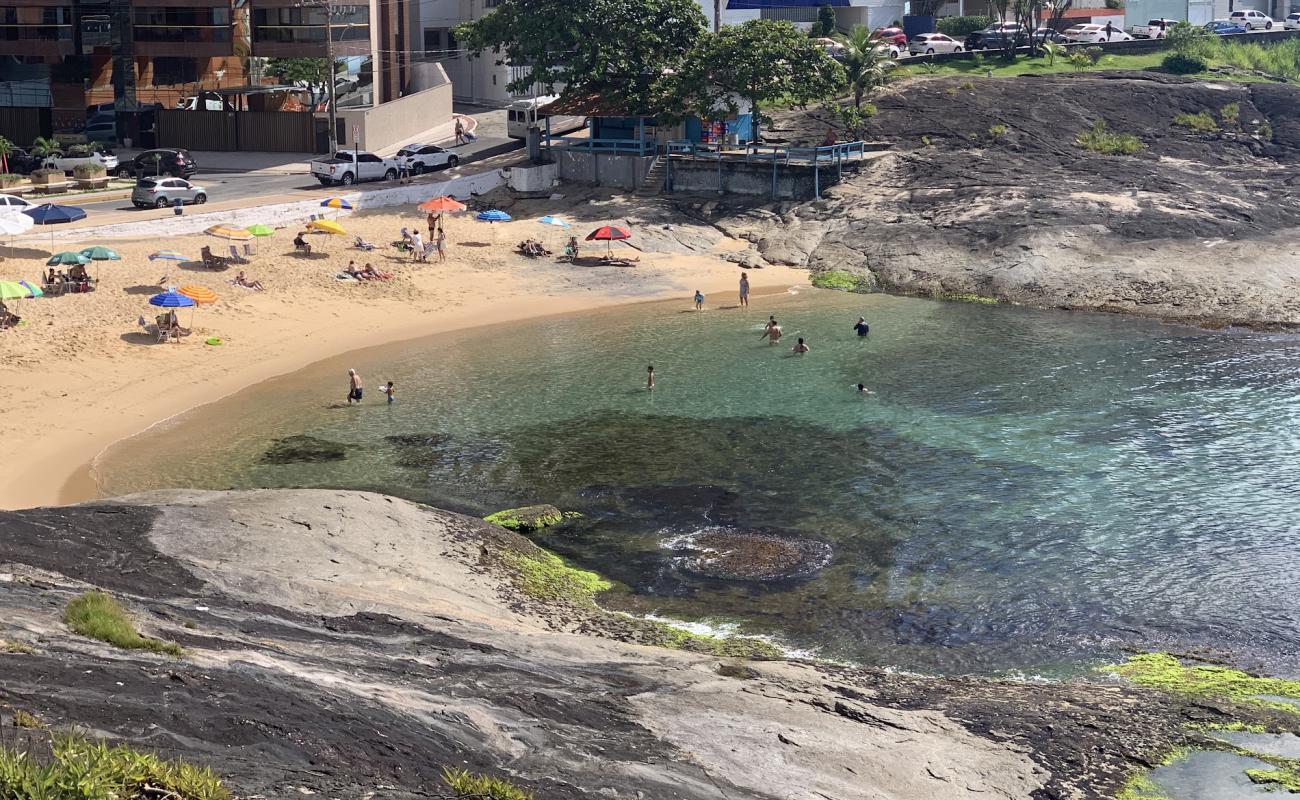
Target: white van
(191, 103)
(522, 115)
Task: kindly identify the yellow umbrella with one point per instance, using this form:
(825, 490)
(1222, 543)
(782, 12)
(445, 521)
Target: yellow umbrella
(201, 295)
(229, 232)
(327, 226)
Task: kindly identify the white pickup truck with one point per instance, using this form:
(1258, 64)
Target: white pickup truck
(66, 163)
(1154, 29)
(350, 166)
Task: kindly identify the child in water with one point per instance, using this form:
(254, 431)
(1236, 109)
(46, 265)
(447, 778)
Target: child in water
(390, 392)
(800, 347)
(699, 300)
(650, 377)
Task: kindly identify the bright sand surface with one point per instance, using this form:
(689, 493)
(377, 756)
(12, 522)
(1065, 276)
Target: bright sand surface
(80, 374)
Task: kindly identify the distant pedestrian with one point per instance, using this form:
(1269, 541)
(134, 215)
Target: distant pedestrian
(800, 348)
(650, 377)
(699, 300)
(772, 332)
(1109, 29)
(744, 290)
(433, 220)
(862, 328)
(403, 169)
(441, 241)
(417, 245)
(390, 392)
(460, 131)
(355, 388)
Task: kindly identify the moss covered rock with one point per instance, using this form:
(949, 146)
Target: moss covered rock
(303, 450)
(527, 518)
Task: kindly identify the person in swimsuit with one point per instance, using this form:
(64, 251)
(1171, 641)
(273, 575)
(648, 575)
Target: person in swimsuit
(390, 392)
(650, 377)
(744, 290)
(800, 348)
(699, 300)
(862, 328)
(772, 331)
(355, 389)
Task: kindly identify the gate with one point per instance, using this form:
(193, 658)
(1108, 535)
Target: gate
(251, 131)
(21, 125)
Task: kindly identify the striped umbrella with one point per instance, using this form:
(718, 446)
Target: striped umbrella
(201, 295)
(14, 290)
(609, 234)
(493, 215)
(35, 290)
(229, 232)
(171, 299)
(553, 221)
(336, 202)
(169, 255)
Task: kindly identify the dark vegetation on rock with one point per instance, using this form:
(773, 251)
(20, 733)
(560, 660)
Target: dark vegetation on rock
(304, 449)
(745, 555)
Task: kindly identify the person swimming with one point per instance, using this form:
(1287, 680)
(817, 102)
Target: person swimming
(800, 347)
(862, 328)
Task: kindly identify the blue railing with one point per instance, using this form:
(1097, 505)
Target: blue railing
(640, 147)
(827, 154)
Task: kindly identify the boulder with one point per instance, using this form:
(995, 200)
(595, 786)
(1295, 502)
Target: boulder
(303, 450)
(527, 518)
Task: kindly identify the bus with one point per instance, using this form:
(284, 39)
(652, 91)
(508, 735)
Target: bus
(522, 115)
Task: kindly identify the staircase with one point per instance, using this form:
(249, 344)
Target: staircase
(653, 184)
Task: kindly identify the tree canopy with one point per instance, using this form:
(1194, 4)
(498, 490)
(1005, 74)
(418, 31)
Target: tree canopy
(866, 65)
(762, 61)
(617, 48)
(314, 73)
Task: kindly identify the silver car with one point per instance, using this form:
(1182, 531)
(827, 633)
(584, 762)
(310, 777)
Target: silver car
(162, 192)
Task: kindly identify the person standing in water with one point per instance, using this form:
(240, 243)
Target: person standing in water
(699, 300)
(744, 290)
(355, 388)
(772, 332)
(862, 328)
(390, 392)
(650, 377)
(800, 348)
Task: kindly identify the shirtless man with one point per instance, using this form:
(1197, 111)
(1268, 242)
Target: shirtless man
(800, 348)
(354, 387)
(772, 332)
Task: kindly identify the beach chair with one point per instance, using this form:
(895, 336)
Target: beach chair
(212, 261)
(429, 249)
(235, 257)
(248, 253)
(163, 328)
(304, 248)
(362, 244)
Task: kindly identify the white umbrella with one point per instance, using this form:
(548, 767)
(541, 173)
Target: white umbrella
(13, 222)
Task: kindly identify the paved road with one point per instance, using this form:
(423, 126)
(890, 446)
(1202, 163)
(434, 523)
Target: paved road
(226, 186)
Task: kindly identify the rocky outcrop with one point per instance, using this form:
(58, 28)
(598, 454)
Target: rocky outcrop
(1197, 227)
(352, 645)
(527, 518)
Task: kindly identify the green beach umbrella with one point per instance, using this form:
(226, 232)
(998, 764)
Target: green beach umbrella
(101, 253)
(260, 230)
(66, 259)
(13, 290)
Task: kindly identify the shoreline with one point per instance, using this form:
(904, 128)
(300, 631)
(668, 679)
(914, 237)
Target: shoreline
(77, 482)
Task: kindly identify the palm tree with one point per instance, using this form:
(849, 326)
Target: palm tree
(6, 150)
(43, 147)
(866, 63)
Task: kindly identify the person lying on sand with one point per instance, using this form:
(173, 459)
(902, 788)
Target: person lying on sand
(240, 280)
(371, 274)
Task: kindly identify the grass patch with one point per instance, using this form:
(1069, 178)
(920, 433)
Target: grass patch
(1106, 142)
(1284, 779)
(24, 719)
(1140, 787)
(1165, 672)
(82, 770)
(841, 280)
(10, 646)
(546, 576)
(99, 616)
(1200, 122)
(666, 635)
(482, 787)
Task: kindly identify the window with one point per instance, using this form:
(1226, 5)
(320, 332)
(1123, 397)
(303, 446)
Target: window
(168, 71)
(432, 40)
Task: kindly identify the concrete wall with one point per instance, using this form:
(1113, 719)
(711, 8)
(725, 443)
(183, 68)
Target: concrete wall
(397, 122)
(602, 169)
(534, 178)
(793, 182)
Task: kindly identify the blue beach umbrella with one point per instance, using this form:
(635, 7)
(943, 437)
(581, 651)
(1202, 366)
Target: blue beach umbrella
(493, 215)
(336, 202)
(171, 299)
(553, 221)
(50, 214)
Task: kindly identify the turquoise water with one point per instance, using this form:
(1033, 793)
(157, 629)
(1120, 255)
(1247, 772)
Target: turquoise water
(1025, 491)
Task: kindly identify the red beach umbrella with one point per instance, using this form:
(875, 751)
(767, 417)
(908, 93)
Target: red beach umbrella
(609, 233)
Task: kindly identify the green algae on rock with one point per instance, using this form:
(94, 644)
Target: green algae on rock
(969, 298)
(543, 575)
(1166, 672)
(841, 280)
(1282, 778)
(528, 518)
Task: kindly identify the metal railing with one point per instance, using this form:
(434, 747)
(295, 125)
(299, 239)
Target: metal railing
(639, 147)
(826, 156)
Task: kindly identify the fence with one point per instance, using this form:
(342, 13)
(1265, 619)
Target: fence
(253, 131)
(22, 125)
(736, 167)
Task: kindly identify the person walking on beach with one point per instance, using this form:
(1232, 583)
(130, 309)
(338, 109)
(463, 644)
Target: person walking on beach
(862, 328)
(355, 388)
(699, 300)
(772, 332)
(441, 241)
(417, 245)
(800, 348)
(744, 290)
(460, 132)
(390, 392)
(650, 377)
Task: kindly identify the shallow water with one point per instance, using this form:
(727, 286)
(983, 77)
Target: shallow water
(1026, 491)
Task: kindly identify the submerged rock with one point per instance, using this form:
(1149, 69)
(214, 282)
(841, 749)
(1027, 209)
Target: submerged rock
(303, 450)
(527, 518)
(746, 555)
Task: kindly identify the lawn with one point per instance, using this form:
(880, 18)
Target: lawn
(1038, 65)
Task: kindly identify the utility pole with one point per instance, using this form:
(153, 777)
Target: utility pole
(331, 11)
(717, 16)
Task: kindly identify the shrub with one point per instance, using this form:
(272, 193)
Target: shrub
(78, 150)
(1265, 132)
(1183, 65)
(1190, 40)
(1079, 61)
(82, 769)
(1281, 59)
(482, 787)
(44, 174)
(1101, 140)
(958, 27)
(925, 141)
(24, 719)
(968, 85)
(998, 131)
(99, 616)
(8, 179)
(839, 279)
(1230, 114)
(1094, 55)
(1200, 122)
(89, 171)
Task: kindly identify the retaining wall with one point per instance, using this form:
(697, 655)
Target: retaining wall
(793, 181)
(616, 170)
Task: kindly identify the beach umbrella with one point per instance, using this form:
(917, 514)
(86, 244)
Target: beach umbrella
(171, 299)
(229, 232)
(35, 290)
(201, 295)
(67, 259)
(14, 290)
(12, 224)
(442, 204)
(493, 215)
(261, 230)
(168, 255)
(327, 226)
(553, 221)
(100, 253)
(609, 234)
(51, 214)
(336, 202)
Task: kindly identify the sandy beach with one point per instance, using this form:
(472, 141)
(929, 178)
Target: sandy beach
(81, 374)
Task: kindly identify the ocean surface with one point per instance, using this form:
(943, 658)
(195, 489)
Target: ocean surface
(1025, 493)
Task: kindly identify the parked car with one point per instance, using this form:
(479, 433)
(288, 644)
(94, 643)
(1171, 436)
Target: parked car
(931, 43)
(1049, 35)
(350, 166)
(101, 131)
(830, 47)
(989, 39)
(1252, 20)
(889, 49)
(1292, 22)
(893, 35)
(1096, 34)
(427, 157)
(1153, 29)
(210, 102)
(66, 163)
(164, 161)
(10, 202)
(1224, 27)
(162, 192)
(22, 162)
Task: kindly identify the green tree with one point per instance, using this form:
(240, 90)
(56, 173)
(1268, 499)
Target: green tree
(6, 150)
(314, 73)
(761, 61)
(1190, 41)
(42, 147)
(866, 65)
(616, 48)
(825, 21)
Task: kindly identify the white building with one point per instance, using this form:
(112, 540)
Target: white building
(480, 80)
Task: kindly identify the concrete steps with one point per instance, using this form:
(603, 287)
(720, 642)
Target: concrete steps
(653, 184)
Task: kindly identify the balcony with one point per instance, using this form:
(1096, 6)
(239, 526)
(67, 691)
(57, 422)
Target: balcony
(35, 31)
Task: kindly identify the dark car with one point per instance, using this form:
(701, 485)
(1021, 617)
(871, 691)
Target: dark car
(176, 163)
(995, 40)
(22, 162)
(1224, 27)
(1049, 35)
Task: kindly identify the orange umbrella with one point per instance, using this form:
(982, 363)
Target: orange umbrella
(441, 204)
(199, 294)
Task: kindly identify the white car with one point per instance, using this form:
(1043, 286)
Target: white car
(1252, 20)
(422, 158)
(889, 49)
(12, 202)
(931, 43)
(1096, 34)
(66, 163)
(1154, 29)
(1292, 22)
(352, 166)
